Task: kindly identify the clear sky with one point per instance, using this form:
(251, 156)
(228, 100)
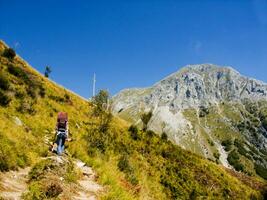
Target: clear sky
(134, 43)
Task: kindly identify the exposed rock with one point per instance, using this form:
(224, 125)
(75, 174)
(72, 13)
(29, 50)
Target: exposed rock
(18, 121)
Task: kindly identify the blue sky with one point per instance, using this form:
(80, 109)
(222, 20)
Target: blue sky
(135, 43)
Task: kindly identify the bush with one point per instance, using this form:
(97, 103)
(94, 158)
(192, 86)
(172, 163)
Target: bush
(67, 97)
(4, 83)
(7, 154)
(26, 107)
(53, 189)
(40, 169)
(9, 53)
(145, 117)
(210, 142)
(125, 167)
(261, 171)
(233, 159)
(124, 164)
(18, 72)
(134, 132)
(96, 141)
(203, 111)
(240, 148)
(35, 192)
(4, 99)
(23, 75)
(105, 120)
(164, 136)
(31, 92)
(150, 133)
(57, 98)
(19, 94)
(100, 102)
(42, 91)
(216, 155)
(227, 144)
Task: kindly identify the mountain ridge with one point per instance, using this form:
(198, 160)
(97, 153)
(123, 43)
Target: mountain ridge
(182, 104)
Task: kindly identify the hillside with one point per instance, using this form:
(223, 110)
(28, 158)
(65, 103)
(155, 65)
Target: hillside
(129, 163)
(210, 110)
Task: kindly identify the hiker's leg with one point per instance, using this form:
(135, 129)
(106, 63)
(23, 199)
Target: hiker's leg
(63, 143)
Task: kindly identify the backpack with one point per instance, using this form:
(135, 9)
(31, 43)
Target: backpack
(62, 119)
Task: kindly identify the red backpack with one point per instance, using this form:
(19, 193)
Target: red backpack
(62, 119)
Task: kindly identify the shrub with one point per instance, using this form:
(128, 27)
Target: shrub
(132, 178)
(18, 72)
(105, 120)
(4, 99)
(4, 83)
(35, 192)
(19, 94)
(216, 155)
(261, 171)
(26, 107)
(100, 102)
(57, 98)
(150, 133)
(264, 123)
(125, 167)
(53, 189)
(42, 91)
(210, 142)
(67, 97)
(96, 141)
(31, 92)
(203, 111)
(233, 159)
(40, 169)
(145, 117)
(134, 132)
(23, 75)
(124, 164)
(7, 154)
(164, 136)
(9, 53)
(240, 148)
(227, 144)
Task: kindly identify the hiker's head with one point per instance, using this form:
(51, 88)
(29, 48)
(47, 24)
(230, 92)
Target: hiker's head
(62, 116)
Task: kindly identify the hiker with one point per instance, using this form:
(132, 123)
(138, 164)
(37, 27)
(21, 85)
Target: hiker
(62, 131)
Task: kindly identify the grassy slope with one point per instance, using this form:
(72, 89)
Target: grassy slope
(238, 124)
(150, 168)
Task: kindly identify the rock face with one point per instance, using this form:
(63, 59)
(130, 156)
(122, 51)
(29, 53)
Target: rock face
(180, 102)
(194, 86)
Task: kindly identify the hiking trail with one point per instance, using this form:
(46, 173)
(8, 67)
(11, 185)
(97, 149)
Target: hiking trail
(14, 184)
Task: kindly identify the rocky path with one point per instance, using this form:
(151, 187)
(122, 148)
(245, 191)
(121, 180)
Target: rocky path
(89, 189)
(13, 184)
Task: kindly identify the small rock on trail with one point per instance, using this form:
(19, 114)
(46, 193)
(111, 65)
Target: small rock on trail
(13, 184)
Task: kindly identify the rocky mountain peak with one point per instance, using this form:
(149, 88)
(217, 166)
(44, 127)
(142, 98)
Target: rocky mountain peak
(178, 101)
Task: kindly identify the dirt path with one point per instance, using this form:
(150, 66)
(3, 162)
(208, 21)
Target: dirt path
(89, 189)
(13, 184)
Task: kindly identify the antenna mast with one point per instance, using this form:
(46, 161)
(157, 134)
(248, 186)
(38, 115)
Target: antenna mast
(94, 81)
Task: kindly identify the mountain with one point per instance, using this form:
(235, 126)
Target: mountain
(106, 159)
(210, 110)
